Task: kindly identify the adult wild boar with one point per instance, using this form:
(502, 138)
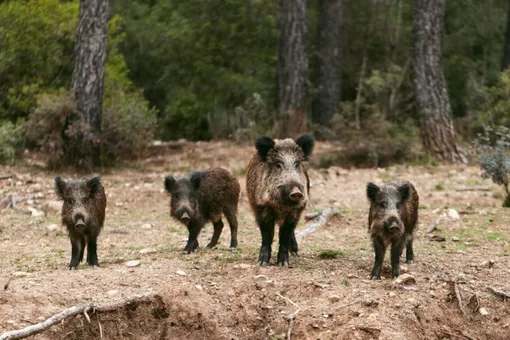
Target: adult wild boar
(83, 213)
(392, 219)
(278, 190)
(201, 197)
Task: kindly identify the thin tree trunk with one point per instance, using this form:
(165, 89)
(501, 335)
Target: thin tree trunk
(505, 62)
(437, 130)
(360, 90)
(292, 68)
(89, 61)
(328, 75)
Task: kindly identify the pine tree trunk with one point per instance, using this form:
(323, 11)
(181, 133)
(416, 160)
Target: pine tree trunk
(505, 62)
(292, 68)
(433, 104)
(89, 61)
(328, 73)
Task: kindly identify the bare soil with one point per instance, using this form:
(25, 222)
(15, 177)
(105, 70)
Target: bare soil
(225, 295)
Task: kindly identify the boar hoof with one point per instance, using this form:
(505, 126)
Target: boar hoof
(72, 268)
(232, 248)
(283, 264)
(210, 245)
(262, 263)
(375, 278)
(409, 261)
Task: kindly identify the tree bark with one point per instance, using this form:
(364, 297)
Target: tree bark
(505, 61)
(292, 68)
(328, 73)
(433, 104)
(89, 61)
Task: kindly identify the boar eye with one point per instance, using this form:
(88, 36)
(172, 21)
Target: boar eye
(176, 196)
(70, 201)
(279, 165)
(383, 205)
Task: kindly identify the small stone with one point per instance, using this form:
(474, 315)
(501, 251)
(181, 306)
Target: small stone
(455, 239)
(112, 292)
(146, 226)
(52, 227)
(352, 276)
(315, 325)
(405, 279)
(334, 298)
(147, 251)
(35, 212)
(438, 238)
(392, 294)
(30, 202)
(452, 173)
(483, 311)
(181, 273)
(20, 274)
(199, 287)
(134, 263)
(370, 303)
(242, 266)
(453, 214)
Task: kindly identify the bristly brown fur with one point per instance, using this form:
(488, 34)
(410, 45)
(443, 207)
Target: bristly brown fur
(209, 195)
(278, 163)
(405, 199)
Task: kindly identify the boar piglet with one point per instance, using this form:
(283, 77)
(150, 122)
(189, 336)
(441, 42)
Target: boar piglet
(83, 213)
(393, 216)
(201, 197)
(278, 190)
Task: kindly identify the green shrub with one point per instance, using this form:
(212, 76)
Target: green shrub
(493, 147)
(11, 138)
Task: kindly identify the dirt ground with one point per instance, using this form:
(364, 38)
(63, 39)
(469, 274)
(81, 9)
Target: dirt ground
(218, 294)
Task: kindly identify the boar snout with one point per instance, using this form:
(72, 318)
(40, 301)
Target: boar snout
(392, 224)
(184, 218)
(292, 192)
(79, 220)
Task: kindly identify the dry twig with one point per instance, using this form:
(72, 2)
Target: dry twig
(69, 312)
(474, 188)
(290, 318)
(504, 295)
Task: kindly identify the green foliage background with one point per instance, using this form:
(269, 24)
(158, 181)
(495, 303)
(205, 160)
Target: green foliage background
(207, 69)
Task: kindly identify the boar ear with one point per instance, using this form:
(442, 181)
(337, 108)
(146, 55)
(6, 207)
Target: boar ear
(60, 187)
(372, 190)
(263, 144)
(306, 143)
(195, 179)
(94, 185)
(169, 183)
(404, 190)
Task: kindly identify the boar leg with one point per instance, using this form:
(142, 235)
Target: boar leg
(286, 231)
(92, 252)
(293, 243)
(218, 227)
(265, 220)
(82, 247)
(231, 216)
(380, 250)
(396, 251)
(409, 251)
(75, 252)
(194, 230)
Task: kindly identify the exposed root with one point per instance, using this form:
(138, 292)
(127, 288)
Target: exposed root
(69, 312)
(458, 297)
(290, 318)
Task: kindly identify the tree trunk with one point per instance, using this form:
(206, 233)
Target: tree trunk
(433, 104)
(328, 73)
(505, 62)
(292, 68)
(89, 61)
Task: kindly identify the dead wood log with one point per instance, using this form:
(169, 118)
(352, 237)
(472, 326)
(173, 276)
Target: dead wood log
(72, 311)
(318, 221)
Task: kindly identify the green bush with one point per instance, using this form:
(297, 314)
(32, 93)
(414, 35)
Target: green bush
(11, 138)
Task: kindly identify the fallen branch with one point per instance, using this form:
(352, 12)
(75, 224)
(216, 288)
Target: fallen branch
(504, 295)
(3, 177)
(69, 312)
(435, 225)
(290, 318)
(474, 188)
(459, 299)
(321, 219)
